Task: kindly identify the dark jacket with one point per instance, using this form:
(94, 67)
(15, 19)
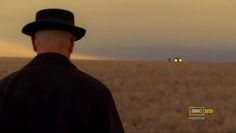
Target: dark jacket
(50, 95)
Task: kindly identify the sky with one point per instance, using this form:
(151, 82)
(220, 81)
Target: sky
(195, 30)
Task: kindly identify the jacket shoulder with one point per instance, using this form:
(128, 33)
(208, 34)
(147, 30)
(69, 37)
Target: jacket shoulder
(5, 80)
(92, 81)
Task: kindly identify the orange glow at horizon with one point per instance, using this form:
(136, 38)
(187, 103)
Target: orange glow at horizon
(9, 49)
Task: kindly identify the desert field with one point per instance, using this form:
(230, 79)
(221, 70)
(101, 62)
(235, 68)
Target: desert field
(154, 97)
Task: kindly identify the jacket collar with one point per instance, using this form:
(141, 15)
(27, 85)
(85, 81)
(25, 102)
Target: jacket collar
(50, 58)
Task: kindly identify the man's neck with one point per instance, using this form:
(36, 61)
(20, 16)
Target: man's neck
(62, 53)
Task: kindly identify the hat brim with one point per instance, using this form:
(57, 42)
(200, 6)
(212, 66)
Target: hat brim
(31, 28)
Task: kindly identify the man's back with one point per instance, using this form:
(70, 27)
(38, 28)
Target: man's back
(51, 95)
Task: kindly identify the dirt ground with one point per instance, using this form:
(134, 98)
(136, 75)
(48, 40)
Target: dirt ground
(154, 97)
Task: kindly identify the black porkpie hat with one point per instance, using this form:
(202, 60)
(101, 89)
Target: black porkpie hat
(54, 19)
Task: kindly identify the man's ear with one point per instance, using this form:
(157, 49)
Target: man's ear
(33, 43)
(72, 44)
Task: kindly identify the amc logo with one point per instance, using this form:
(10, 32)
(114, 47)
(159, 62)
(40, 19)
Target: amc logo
(196, 111)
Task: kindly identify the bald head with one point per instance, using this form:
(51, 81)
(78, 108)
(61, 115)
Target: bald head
(53, 41)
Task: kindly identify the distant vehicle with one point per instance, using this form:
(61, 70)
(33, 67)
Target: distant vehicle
(175, 60)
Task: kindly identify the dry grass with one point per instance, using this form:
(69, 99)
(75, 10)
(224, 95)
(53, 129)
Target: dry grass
(154, 97)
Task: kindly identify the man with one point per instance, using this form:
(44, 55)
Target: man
(50, 95)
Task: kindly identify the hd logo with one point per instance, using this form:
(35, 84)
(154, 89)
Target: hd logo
(199, 112)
